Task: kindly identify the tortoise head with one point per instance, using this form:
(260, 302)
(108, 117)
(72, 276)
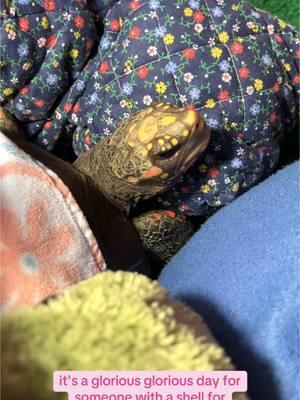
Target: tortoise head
(147, 153)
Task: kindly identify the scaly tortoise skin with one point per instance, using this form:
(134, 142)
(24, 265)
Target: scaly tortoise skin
(146, 155)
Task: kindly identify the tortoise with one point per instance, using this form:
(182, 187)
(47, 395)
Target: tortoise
(235, 64)
(146, 155)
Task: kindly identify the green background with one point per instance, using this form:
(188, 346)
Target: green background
(288, 10)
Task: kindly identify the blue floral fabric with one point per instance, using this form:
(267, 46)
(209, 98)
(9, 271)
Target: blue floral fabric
(236, 65)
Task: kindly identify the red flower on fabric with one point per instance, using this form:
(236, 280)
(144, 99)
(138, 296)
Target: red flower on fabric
(135, 32)
(297, 79)
(170, 214)
(49, 5)
(48, 124)
(276, 87)
(198, 16)
(51, 41)
(79, 22)
(184, 207)
(244, 72)
(189, 54)
(134, 5)
(39, 103)
(104, 67)
(24, 24)
(213, 172)
(142, 72)
(68, 107)
(223, 95)
(237, 48)
(115, 25)
(24, 90)
(278, 38)
(76, 107)
(298, 53)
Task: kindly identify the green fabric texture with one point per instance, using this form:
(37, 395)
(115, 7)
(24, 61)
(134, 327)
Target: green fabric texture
(288, 10)
(113, 321)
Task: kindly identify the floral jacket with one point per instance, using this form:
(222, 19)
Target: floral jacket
(76, 68)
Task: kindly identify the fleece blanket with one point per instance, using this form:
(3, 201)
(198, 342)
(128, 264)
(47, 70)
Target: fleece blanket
(238, 66)
(241, 273)
(46, 244)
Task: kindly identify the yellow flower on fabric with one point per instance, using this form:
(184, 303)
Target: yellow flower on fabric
(255, 28)
(45, 22)
(74, 53)
(7, 91)
(120, 22)
(235, 187)
(258, 84)
(160, 87)
(203, 168)
(2, 63)
(188, 12)
(233, 124)
(128, 64)
(168, 39)
(216, 52)
(205, 188)
(287, 67)
(210, 103)
(9, 28)
(282, 24)
(234, 7)
(106, 88)
(129, 105)
(55, 63)
(223, 37)
(77, 35)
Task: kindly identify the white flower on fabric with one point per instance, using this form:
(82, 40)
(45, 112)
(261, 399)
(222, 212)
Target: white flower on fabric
(235, 28)
(74, 118)
(11, 35)
(123, 103)
(250, 90)
(271, 29)
(41, 42)
(188, 77)
(198, 28)
(212, 182)
(153, 14)
(106, 131)
(67, 16)
(147, 100)
(226, 77)
(183, 98)
(240, 151)
(90, 120)
(152, 51)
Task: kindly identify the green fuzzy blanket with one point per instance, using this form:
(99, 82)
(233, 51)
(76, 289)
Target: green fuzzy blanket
(288, 10)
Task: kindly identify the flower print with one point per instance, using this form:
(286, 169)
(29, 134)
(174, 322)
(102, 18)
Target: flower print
(152, 51)
(51, 41)
(205, 188)
(194, 4)
(194, 93)
(171, 67)
(154, 4)
(67, 16)
(223, 37)
(147, 100)
(115, 25)
(153, 14)
(227, 180)
(240, 151)
(189, 54)
(160, 31)
(183, 98)
(226, 77)
(104, 67)
(97, 86)
(52, 79)
(270, 29)
(79, 22)
(244, 72)
(134, 5)
(188, 12)
(234, 7)
(39, 103)
(24, 24)
(217, 12)
(26, 66)
(168, 39)
(32, 262)
(135, 32)
(68, 107)
(281, 24)
(41, 42)
(143, 72)
(237, 48)
(250, 90)
(12, 35)
(287, 67)
(23, 50)
(213, 172)
(127, 88)
(198, 16)
(49, 5)
(297, 79)
(224, 65)
(125, 43)
(210, 103)
(255, 109)
(236, 163)
(223, 95)
(93, 99)
(258, 85)
(74, 53)
(266, 59)
(211, 182)
(20, 106)
(160, 87)
(216, 52)
(198, 28)
(188, 77)
(212, 123)
(105, 43)
(55, 63)
(235, 187)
